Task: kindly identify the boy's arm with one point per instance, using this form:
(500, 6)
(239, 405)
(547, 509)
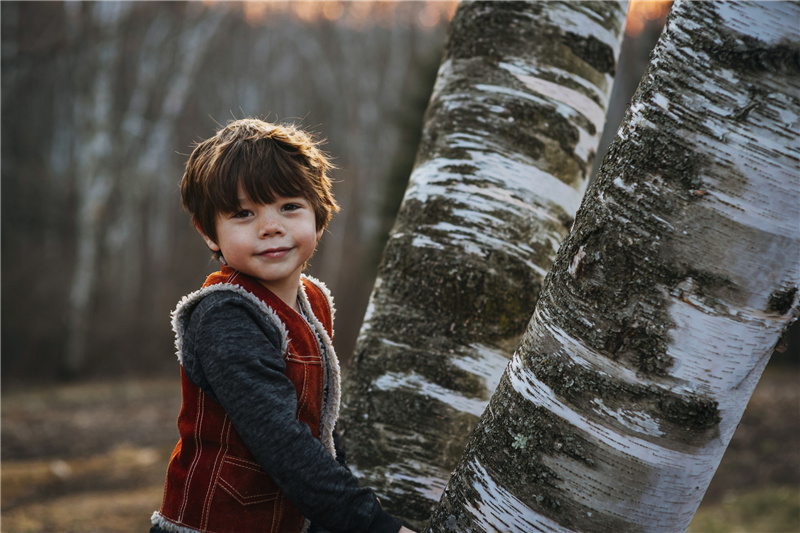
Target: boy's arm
(234, 352)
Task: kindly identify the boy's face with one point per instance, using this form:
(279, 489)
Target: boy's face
(270, 242)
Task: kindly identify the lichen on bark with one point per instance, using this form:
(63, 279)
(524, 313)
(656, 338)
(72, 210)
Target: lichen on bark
(532, 438)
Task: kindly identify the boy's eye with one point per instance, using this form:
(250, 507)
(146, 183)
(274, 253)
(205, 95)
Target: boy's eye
(242, 214)
(291, 207)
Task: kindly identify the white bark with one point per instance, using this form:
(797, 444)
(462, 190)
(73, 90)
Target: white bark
(509, 140)
(666, 300)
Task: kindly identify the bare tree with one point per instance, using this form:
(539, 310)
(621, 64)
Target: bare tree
(509, 139)
(665, 301)
(101, 147)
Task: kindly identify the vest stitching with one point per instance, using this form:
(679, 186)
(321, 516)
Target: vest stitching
(301, 361)
(254, 469)
(227, 446)
(216, 470)
(304, 394)
(320, 333)
(253, 465)
(241, 498)
(197, 451)
(278, 512)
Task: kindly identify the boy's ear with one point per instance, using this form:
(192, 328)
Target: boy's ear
(210, 243)
(319, 234)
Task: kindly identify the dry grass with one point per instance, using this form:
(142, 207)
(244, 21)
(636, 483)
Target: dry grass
(120, 511)
(765, 510)
(86, 457)
(91, 458)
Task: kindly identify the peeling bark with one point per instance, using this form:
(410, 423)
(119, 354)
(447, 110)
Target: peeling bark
(666, 299)
(509, 139)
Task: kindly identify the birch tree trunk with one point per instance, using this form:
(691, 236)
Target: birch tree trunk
(665, 301)
(509, 140)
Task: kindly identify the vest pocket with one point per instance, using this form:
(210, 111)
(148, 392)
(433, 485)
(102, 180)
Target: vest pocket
(245, 499)
(246, 482)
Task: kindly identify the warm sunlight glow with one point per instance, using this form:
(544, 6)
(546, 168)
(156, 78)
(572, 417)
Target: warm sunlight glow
(332, 10)
(354, 14)
(308, 11)
(365, 13)
(254, 11)
(641, 12)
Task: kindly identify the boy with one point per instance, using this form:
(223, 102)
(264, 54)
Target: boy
(259, 376)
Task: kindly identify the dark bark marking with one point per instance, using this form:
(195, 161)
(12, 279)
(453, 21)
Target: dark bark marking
(469, 36)
(538, 131)
(744, 53)
(464, 169)
(474, 41)
(757, 97)
(457, 295)
(691, 420)
(473, 34)
(614, 284)
(661, 152)
(781, 300)
(532, 122)
(595, 52)
(695, 415)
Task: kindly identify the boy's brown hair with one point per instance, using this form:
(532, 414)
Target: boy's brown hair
(267, 160)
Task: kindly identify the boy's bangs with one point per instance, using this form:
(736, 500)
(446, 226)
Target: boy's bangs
(266, 177)
(273, 179)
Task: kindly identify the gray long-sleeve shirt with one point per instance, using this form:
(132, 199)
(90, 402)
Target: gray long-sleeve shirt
(231, 350)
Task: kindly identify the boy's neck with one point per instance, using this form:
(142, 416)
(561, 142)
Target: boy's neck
(287, 292)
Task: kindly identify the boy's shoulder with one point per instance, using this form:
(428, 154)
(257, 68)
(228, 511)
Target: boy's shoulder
(221, 303)
(215, 296)
(221, 297)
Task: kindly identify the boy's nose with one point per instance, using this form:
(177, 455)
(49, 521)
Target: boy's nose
(271, 226)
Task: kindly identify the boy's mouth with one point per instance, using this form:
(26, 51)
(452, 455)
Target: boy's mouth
(275, 253)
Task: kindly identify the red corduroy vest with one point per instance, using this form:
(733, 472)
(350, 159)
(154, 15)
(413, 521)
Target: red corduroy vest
(213, 483)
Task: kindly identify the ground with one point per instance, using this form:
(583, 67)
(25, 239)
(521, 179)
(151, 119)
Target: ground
(90, 457)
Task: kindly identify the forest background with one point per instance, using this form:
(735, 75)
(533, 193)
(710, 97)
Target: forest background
(101, 103)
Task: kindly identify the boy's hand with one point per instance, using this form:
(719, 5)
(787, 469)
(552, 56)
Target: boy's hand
(404, 529)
